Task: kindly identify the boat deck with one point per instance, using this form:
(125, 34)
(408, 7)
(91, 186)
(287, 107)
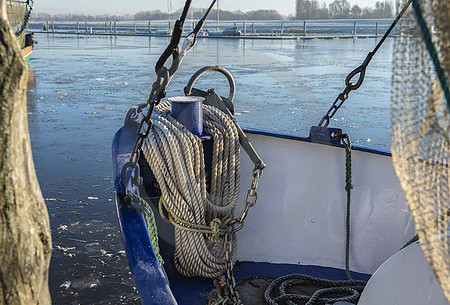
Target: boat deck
(253, 278)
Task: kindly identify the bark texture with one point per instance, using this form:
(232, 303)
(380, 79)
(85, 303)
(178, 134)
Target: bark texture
(25, 240)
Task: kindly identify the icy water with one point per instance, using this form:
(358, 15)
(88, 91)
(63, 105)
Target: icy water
(79, 92)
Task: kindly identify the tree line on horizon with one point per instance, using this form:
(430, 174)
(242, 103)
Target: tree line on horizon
(305, 10)
(159, 15)
(341, 9)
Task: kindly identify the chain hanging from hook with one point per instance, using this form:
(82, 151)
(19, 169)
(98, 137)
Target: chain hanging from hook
(361, 70)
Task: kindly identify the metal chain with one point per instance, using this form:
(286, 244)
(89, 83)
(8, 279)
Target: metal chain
(251, 196)
(361, 71)
(226, 284)
(233, 295)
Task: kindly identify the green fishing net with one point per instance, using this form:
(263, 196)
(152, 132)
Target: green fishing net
(420, 130)
(18, 15)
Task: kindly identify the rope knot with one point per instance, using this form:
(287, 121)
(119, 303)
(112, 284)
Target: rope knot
(214, 225)
(348, 187)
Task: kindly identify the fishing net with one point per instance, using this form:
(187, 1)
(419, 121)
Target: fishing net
(420, 128)
(19, 14)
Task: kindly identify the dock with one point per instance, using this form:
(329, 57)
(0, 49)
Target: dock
(248, 30)
(212, 37)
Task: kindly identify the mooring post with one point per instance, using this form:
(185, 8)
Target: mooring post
(245, 28)
(376, 29)
(282, 29)
(85, 26)
(149, 27)
(253, 28)
(53, 26)
(106, 28)
(304, 28)
(170, 28)
(354, 29)
(115, 27)
(78, 27)
(135, 27)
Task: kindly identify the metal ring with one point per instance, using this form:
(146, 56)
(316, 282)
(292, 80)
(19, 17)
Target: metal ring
(196, 76)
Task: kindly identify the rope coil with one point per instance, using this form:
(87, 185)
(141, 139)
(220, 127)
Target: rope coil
(200, 218)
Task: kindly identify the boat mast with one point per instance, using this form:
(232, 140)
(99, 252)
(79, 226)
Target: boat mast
(169, 11)
(217, 17)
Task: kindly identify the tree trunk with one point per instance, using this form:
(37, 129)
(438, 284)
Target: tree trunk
(25, 241)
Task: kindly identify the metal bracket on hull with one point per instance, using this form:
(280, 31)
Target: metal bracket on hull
(328, 135)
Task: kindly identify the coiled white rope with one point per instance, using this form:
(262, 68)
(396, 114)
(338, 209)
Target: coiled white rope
(175, 156)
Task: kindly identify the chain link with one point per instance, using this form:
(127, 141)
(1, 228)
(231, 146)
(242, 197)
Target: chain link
(251, 196)
(226, 293)
(226, 285)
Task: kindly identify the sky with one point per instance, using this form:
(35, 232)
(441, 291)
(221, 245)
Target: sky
(120, 7)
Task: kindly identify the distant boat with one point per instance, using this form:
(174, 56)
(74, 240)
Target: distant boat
(26, 52)
(162, 32)
(232, 31)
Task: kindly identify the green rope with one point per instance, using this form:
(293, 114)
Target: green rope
(216, 228)
(348, 188)
(431, 49)
(351, 288)
(144, 207)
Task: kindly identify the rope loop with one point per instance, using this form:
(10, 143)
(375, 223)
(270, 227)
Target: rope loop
(144, 207)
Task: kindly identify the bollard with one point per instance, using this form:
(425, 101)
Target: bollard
(354, 29)
(188, 111)
(304, 28)
(376, 29)
(245, 28)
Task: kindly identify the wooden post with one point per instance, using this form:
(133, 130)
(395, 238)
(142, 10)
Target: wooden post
(110, 27)
(282, 29)
(106, 28)
(85, 27)
(253, 28)
(115, 27)
(354, 29)
(25, 240)
(304, 28)
(376, 29)
(135, 27)
(245, 28)
(149, 27)
(78, 27)
(53, 26)
(170, 28)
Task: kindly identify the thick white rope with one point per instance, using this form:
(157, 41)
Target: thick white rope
(175, 156)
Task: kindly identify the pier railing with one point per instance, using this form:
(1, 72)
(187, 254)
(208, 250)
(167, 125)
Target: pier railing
(248, 29)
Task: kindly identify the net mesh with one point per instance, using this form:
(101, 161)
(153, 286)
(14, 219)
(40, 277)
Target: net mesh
(18, 12)
(420, 131)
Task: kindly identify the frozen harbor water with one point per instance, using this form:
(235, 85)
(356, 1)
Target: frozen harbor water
(81, 87)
